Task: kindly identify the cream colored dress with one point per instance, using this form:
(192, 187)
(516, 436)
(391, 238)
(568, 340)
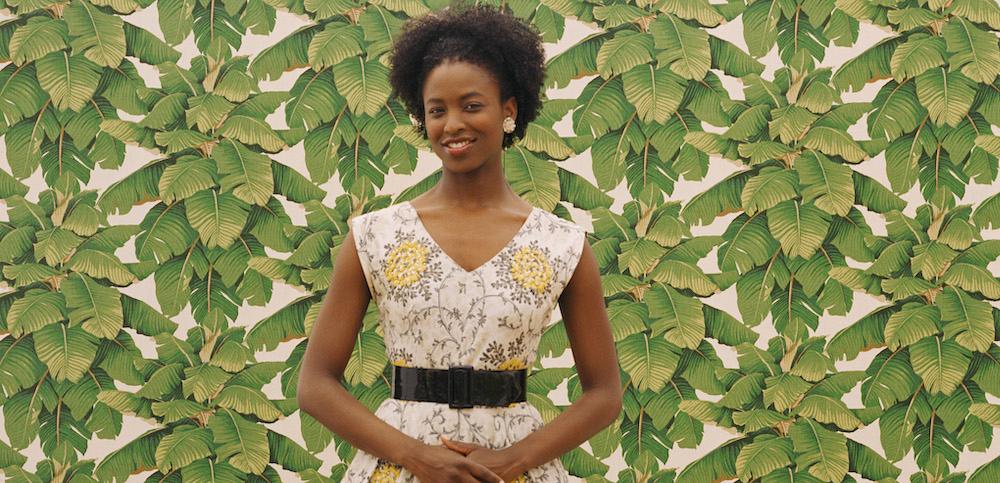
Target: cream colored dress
(435, 314)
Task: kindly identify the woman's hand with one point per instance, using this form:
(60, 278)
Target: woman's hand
(498, 461)
(440, 464)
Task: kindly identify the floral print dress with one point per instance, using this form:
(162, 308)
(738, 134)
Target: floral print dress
(435, 313)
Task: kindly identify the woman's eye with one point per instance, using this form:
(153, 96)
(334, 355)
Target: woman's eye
(472, 106)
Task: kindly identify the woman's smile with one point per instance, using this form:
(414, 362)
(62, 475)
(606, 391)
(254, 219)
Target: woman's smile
(458, 147)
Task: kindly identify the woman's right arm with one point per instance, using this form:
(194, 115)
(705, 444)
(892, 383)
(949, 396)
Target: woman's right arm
(321, 394)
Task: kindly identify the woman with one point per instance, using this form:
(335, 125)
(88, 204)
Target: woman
(465, 277)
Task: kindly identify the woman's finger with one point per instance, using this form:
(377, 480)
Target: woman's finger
(461, 447)
(483, 473)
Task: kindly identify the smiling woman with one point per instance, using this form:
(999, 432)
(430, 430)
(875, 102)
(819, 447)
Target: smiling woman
(466, 277)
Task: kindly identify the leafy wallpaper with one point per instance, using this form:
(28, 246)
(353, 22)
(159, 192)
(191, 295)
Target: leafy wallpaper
(794, 205)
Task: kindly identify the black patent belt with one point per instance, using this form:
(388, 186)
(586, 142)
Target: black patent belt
(460, 386)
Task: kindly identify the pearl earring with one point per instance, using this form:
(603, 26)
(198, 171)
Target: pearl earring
(508, 125)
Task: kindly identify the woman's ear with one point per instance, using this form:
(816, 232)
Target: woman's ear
(510, 107)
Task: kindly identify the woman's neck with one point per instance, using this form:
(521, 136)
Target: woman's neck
(480, 188)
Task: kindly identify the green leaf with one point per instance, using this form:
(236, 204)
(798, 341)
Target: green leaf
(941, 363)
(289, 454)
(800, 228)
(935, 449)
(655, 92)
(770, 187)
(682, 48)
(791, 122)
(973, 278)
(627, 49)
(649, 361)
(683, 275)
(535, 180)
(367, 361)
(870, 65)
(244, 172)
(678, 318)
(96, 307)
(946, 95)
(39, 36)
(828, 410)
(365, 85)
(241, 443)
(897, 110)
(699, 10)
(829, 184)
(98, 35)
(186, 178)
(919, 53)
(717, 465)
(70, 80)
(67, 351)
(834, 142)
(766, 454)
(748, 244)
(973, 50)
(337, 41)
(101, 265)
(909, 325)
(185, 445)
(822, 451)
(37, 309)
(602, 107)
(967, 320)
(732, 60)
(249, 401)
(760, 21)
(868, 463)
(219, 218)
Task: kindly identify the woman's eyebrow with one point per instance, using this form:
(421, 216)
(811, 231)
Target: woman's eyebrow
(464, 96)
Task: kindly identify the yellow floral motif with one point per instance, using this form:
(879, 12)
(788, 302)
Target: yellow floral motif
(519, 479)
(531, 269)
(400, 362)
(406, 263)
(385, 473)
(512, 364)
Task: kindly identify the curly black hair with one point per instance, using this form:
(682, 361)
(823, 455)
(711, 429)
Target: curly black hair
(482, 35)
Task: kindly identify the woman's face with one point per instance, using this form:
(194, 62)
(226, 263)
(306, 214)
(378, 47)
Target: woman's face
(464, 115)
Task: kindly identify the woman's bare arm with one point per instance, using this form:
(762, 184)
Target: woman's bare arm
(320, 392)
(322, 396)
(582, 307)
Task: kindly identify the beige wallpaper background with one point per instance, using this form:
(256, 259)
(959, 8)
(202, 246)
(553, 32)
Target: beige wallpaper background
(581, 164)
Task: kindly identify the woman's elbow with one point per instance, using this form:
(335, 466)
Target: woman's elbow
(615, 401)
(304, 393)
(611, 402)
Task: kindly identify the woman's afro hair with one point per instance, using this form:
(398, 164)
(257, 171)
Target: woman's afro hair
(481, 35)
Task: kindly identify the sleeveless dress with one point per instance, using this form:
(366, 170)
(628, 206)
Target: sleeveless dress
(435, 313)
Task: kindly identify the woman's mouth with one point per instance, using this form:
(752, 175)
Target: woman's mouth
(458, 148)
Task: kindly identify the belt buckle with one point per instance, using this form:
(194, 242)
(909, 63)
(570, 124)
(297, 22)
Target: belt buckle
(459, 387)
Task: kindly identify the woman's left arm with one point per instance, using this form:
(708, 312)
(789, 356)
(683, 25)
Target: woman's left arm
(582, 307)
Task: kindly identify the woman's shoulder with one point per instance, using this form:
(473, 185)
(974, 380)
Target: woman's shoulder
(377, 217)
(557, 223)
(555, 227)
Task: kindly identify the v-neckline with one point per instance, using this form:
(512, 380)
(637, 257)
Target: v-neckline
(423, 228)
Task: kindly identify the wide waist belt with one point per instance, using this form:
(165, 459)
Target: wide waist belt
(460, 386)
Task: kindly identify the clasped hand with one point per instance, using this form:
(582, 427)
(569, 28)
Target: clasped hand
(497, 461)
(456, 461)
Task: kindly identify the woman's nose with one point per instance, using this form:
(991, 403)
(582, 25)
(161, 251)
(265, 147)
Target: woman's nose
(454, 123)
